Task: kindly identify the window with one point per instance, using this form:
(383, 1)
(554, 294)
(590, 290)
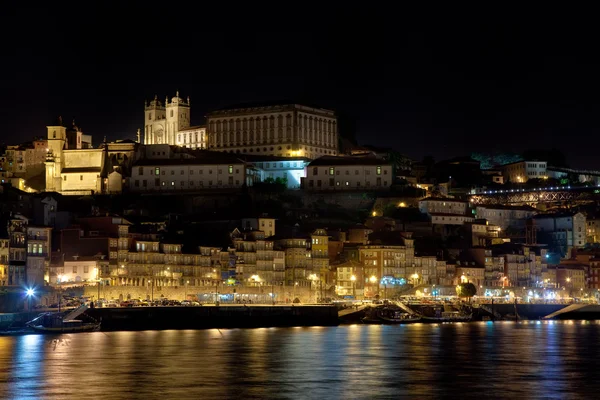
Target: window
(230, 180)
(74, 269)
(315, 171)
(137, 183)
(331, 170)
(144, 183)
(157, 171)
(173, 172)
(378, 170)
(141, 171)
(172, 183)
(181, 172)
(171, 113)
(64, 178)
(157, 182)
(86, 269)
(230, 168)
(347, 183)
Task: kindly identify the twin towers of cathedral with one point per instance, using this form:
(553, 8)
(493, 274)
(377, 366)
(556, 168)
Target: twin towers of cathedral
(163, 121)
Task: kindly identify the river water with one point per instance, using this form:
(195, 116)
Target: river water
(464, 360)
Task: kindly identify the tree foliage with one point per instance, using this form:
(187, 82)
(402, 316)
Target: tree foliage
(490, 161)
(466, 290)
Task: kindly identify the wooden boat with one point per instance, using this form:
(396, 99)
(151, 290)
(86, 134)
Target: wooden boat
(55, 322)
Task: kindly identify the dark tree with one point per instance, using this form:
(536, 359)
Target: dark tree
(466, 290)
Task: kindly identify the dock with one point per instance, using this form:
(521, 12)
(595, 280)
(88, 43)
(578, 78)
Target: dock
(213, 316)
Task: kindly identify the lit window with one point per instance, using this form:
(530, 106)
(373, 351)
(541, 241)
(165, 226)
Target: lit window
(157, 171)
(378, 170)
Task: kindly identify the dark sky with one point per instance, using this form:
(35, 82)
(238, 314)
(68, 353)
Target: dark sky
(444, 84)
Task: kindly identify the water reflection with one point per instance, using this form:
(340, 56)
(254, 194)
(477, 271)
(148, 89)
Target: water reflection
(501, 360)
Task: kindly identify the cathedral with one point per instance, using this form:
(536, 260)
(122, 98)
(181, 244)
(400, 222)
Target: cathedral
(169, 123)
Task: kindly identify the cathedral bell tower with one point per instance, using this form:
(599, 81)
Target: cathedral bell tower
(154, 122)
(178, 117)
(57, 141)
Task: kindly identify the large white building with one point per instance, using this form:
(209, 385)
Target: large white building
(445, 206)
(288, 130)
(74, 168)
(506, 216)
(193, 137)
(522, 171)
(288, 169)
(348, 173)
(162, 170)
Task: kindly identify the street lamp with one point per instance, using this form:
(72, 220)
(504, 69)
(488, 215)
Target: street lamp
(353, 279)
(373, 280)
(216, 287)
(30, 292)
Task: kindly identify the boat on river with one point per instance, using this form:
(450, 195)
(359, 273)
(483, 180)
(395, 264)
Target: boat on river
(57, 322)
(450, 316)
(389, 315)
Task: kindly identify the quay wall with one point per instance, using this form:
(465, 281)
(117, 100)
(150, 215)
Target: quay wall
(206, 294)
(210, 317)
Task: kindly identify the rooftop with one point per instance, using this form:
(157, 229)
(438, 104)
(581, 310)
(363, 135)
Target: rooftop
(503, 207)
(446, 199)
(267, 104)
(337, 160)
(203, 157)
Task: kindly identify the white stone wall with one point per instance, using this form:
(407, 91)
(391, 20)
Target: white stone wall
(443, 206)
(186, 177)
(80, 181)
(194, 138)
(350, 177)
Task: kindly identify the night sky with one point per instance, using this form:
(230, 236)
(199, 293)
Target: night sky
(445, 84)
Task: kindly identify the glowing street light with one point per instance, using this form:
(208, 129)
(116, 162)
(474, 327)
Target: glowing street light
(353, 279)
(30, 292)
(414, 277)
(373, 280)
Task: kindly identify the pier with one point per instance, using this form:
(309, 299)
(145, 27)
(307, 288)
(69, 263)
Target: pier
(214, 316)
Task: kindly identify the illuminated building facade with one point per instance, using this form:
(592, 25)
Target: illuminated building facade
(284, 130)
(163, 121)
(522, 171)
(329, 173)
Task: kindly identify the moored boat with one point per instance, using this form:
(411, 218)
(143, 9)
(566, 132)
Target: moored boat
(452, 316)
(398, 317)
(56, 323)
(389, 315)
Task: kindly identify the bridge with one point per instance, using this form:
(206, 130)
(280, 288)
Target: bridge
(537, 195)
